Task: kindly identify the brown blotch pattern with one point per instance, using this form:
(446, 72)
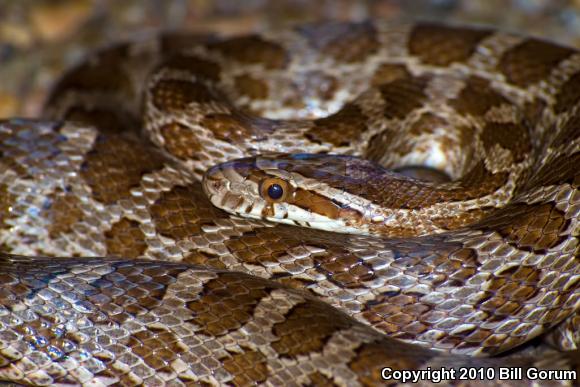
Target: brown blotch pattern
(200, 67)
(181, 141)
(267, 245)
(389, 72)
(569, 132)
(108, 121)
(343, 268)
(318, 379)
(506, 292)
(377, 144)
(105, 74)
(559, 170)
(373, 357)
(439, 45)
(202, 258)
(252, 49)
(470, 338)
(339, 129)
(286, 279)
(64, 212)
(529, 227)
(157, 347)
(531, 61)
(261, 245)
(116, 164)
(125, 239)
(229, 128)
(353, 42)
(402, 96)
(568, 95)
(397, 314)
(307, 328)
(404, 314)
(513, 137)
(252, 87)
(149, 286)
(428, 123)
(248, 368)
(175, 96)
(181, 212)
(477, 97)
(480, 181)
(227, 303)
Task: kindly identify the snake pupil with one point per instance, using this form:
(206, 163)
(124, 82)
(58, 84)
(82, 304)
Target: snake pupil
(275, 191)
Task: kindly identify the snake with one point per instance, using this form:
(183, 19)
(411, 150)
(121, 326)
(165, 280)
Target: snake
(336, 203)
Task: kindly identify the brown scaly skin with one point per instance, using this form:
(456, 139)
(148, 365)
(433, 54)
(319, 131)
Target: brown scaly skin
(174, 324)
(503, 270)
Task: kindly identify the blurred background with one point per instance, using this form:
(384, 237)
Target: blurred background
(39, 39)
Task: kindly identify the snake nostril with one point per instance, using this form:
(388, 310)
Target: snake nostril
(212, 186)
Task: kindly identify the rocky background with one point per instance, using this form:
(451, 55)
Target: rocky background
(39, 39)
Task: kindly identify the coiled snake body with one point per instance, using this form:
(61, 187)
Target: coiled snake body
(472, 267)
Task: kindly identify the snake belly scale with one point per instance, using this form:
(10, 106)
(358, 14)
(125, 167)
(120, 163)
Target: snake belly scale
(247, 276)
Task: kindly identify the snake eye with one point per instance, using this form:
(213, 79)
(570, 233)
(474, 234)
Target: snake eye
(274, 190)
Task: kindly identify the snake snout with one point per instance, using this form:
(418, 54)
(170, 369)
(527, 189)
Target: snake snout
(212, 187)
(226, 179)
(214, 182)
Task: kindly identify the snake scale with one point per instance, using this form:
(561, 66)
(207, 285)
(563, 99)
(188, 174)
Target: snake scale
(420, 275)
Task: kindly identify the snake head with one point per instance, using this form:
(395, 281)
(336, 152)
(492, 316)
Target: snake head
(300, 189)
